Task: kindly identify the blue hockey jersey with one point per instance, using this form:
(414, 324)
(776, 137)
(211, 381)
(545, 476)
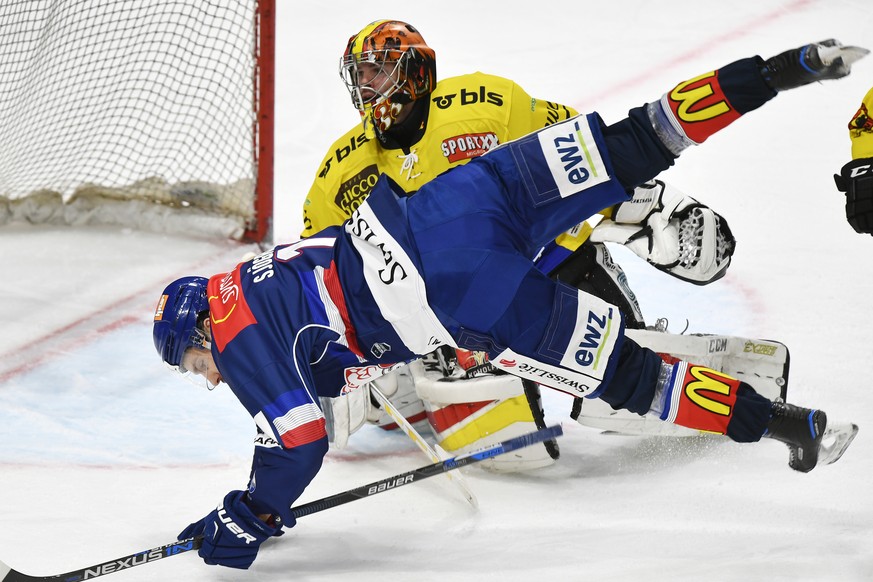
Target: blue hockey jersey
(404, 276)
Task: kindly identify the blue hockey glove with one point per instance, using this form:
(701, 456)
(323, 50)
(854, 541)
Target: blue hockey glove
(820, 61)
(232, 534)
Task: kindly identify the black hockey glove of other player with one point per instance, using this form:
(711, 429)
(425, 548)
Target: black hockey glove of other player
(856, 180)
(675, 233)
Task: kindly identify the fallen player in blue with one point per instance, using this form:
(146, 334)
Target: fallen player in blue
(453, 266)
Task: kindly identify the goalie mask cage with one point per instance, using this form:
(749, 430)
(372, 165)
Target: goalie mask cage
(152, 114)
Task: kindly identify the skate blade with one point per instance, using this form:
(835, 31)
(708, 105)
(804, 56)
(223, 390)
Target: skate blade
(837, 438)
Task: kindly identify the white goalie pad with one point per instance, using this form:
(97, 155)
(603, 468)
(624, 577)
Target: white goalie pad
(763, 364)
(471, 413)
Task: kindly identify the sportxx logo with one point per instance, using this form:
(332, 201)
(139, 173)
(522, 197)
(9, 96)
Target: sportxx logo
(701, 107)
(706, 387)
(468, 145)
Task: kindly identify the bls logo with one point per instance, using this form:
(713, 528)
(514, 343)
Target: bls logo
(469, 98)
(571, 148)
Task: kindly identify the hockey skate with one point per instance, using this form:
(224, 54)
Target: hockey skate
(814, 62)
(811, 439)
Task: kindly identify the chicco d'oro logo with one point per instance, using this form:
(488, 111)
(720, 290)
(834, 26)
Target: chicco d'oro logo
(353, 191)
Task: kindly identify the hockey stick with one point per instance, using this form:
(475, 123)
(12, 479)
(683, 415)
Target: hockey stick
(435, 455)
(7, 574)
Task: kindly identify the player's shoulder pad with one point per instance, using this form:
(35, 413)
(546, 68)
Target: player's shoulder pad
(474, 84)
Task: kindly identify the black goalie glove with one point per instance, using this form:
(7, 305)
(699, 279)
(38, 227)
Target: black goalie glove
(675, 233)
(856, 180)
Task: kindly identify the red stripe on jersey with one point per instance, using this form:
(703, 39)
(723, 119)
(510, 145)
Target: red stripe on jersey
(450, 415)
(304, 434)
(332, 284)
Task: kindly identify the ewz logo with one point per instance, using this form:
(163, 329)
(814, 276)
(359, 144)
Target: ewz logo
(574, 155)
(587, 352)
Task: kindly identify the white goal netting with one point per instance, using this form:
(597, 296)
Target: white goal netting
(134, 112)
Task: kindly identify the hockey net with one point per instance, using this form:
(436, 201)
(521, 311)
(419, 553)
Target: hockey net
(152, 114)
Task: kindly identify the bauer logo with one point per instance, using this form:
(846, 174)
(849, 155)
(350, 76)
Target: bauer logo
(571, 153)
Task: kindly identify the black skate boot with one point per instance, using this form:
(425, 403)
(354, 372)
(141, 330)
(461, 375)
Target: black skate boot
(801, 429)
(819, 61)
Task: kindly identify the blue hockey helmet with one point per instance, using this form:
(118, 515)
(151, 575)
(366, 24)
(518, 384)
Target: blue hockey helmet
(176, 319)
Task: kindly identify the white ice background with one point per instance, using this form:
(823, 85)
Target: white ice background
(104, 453)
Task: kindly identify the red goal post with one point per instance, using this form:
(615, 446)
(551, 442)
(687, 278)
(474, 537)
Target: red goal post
(152, 114)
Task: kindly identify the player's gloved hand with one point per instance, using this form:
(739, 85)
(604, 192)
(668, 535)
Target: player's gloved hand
(818, 61)
(856, 180)
(675, 233)
(232, 533)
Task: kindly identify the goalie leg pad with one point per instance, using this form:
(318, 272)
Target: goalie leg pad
(761, 364)
(470, 413)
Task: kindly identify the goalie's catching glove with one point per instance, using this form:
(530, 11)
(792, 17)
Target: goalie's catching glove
(232, 533)
(675, 233)
(818, 61)
(856, 180)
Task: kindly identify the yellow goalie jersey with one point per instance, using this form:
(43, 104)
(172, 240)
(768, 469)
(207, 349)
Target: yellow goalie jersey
(468, 115)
